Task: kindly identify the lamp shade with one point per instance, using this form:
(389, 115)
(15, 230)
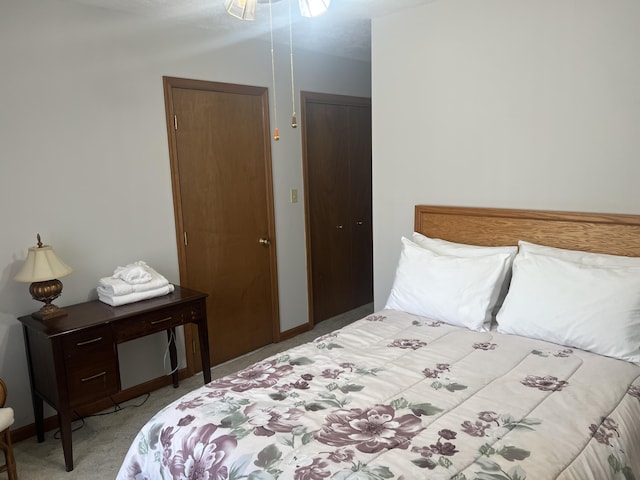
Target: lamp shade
(42, 264)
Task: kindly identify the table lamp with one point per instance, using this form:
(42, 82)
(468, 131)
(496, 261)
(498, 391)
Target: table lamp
(43, 268)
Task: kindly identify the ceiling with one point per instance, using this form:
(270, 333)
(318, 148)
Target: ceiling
(344, 30)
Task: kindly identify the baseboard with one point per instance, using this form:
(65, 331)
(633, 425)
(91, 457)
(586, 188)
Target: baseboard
(292, 332)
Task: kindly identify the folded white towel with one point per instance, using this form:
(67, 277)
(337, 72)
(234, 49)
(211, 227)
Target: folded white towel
(112, 286)
(116, 300)
(133, 273)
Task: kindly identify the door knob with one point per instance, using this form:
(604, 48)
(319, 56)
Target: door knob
(339, 227)
(265, 242)
(358, 223)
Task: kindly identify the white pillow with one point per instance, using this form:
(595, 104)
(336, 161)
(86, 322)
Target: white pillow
(591, 307)
(577, 256)
(444, 247)
(455, 290)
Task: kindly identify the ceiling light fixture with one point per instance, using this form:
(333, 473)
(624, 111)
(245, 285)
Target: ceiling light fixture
(313, 8)
(242, 9)
(246, 9)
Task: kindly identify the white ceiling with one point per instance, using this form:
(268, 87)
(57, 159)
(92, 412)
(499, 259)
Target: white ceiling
(344, 30)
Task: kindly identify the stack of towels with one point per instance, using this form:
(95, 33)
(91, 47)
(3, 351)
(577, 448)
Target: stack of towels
(132, 283)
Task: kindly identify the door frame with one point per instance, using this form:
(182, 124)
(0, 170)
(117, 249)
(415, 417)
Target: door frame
(324, 98)
(192, 347)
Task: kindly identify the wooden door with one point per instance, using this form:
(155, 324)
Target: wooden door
(360, 204)
(327, 205)
(222, 184)
(337, 166)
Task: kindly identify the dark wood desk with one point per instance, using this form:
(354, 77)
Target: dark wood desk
(73, 360)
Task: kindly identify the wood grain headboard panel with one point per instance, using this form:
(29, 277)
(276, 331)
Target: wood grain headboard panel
(616, 234)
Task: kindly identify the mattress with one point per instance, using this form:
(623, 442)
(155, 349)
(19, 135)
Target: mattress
(399, 396)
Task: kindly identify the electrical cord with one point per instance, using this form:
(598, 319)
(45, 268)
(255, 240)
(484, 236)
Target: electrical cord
(172, 339)
(116, 408)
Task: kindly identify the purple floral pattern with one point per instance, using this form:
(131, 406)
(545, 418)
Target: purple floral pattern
(604, 432)
(308, 413)
(407, 343)
(199, 454)
(191, 404)
(485, 346)
(548, 383)
(438, 454)
(475, 429)
(607, 434)
(332, 373)
(369, 430)
(327, 342)
(441, 447)
(440, 375)
(342, 455)
(266, 420)
(430, 323)
(260, 375)
(563, 353)
(316, 471)
(488, 422)
(436, 372)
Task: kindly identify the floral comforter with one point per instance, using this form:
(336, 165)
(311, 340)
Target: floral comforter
(395, 396)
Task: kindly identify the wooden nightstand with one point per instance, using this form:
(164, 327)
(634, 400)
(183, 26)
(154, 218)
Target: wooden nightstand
(73, 360)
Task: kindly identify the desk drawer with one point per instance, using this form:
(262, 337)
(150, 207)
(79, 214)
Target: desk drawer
(94, 379)
(96, 340)
(156, 321)
(91, 365)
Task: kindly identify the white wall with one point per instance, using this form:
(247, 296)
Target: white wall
(503, 103)
(85, 161)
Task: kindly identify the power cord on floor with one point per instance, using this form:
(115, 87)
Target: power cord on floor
(116, 408)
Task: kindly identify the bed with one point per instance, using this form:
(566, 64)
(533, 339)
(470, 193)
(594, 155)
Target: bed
(509, 349)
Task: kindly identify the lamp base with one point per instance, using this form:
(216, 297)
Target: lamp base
(48, 312)
(47, 292)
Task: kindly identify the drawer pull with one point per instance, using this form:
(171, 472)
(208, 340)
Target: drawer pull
(93, 377)
(79, 344)
(155, 322)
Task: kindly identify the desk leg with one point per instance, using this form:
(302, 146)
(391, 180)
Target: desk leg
(64, 419)
(203, 336)
(36, 400)
(173, 355)
(38, 412)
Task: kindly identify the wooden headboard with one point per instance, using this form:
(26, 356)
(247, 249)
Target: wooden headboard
(592, 232)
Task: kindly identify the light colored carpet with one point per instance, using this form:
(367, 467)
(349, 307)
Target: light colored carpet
(101, 444)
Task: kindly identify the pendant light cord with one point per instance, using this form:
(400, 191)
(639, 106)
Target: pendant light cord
(276, 132)
(294, 121)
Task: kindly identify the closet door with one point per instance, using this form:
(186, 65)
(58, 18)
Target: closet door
(328, 219)
(360, 205)
(337, 166)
